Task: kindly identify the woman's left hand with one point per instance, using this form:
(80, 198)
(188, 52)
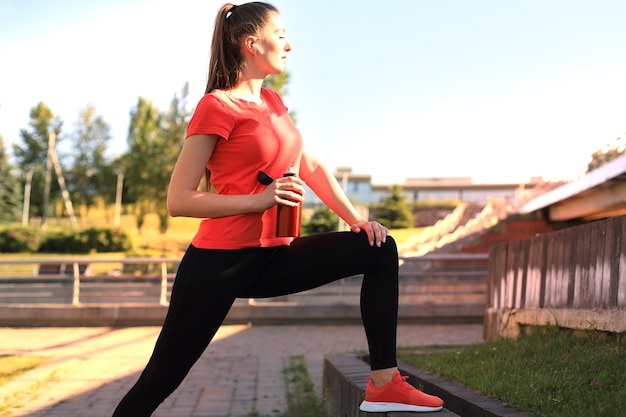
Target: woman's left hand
(376, 232)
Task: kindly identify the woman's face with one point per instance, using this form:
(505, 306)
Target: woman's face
(273, 46)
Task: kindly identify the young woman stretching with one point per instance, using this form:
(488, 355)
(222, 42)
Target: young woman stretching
(242, 134)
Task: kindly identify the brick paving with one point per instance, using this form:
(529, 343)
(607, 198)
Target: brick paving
(239, 375)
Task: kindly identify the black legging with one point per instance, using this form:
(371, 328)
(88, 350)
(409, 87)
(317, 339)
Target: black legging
(208, 282)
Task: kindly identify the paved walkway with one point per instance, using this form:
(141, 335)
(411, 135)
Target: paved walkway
(240, 374)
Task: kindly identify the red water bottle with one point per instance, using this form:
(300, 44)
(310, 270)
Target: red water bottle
(288, 218)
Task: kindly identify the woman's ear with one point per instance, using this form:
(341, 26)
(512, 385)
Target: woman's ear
(251, 45)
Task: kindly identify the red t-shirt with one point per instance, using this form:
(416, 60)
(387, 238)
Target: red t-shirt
(253, 137)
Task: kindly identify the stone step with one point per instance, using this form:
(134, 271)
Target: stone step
(345, 379)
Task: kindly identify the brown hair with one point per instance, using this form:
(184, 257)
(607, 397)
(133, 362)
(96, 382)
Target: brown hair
(232, 24)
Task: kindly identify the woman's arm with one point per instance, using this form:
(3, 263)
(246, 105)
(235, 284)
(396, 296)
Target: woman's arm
(184, 199)
(325, 186)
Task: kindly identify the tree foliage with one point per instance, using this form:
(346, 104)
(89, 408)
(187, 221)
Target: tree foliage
(607, 154)
(154, 142)
(394, 212)
(323, 220)
(278, 83)
(10, 190)
(90, 173)
(139, 163)
(174, 126)
(33, 152)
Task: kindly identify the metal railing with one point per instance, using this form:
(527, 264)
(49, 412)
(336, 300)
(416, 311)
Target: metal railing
(431, 278)
(48, 280)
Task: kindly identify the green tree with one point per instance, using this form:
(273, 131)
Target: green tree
(394, 212)
(32, 154)
(278, 83)
(154, 141)
(174, 125)
(323, 220)
(90, 175)
(139, 163)
(10, 190)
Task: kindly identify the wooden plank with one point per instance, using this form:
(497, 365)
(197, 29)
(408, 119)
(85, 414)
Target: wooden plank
(533, 280)
(497, 267)
(621, 284)
(517, 262)
(510, 275)
(557, 291)
(564, 259)
(569, 270)
(544, 270)
(616, 244)
(604, 280)
(592, 255)
(601, 263)
(561, 296)
(585, 253)
(491, 276)
(523, 270)
(593, 265)
(550, 278)
(502, 284)
(543, 274)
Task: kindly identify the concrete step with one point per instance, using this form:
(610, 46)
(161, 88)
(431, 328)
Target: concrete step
(345, 380)
(344, 383)
(152, 314)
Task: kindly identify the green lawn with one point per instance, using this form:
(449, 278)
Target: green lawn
(545, 373)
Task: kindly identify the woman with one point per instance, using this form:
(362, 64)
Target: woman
(243, 135)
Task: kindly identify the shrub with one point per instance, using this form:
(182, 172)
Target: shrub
(20, 239)
(107, 240)
(65, 241)
(323, 220)
(33, 240)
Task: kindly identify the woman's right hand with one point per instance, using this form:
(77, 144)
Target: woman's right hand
(184, 198)
(286, 191)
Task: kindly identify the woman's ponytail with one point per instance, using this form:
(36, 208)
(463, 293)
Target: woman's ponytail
(233, 23)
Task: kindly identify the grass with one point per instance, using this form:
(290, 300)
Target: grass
(13, 366)
(301, 398)
(547, 372)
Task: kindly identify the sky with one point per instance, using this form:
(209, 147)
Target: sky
(498, 91)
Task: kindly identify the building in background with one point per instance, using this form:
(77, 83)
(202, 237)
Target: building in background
(360, 189)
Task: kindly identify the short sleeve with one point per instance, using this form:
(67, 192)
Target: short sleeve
(274, 100)
(211, 117)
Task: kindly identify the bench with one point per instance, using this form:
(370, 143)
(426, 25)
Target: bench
(62, 268)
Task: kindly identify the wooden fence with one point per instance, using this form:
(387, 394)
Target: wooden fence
(574, 277)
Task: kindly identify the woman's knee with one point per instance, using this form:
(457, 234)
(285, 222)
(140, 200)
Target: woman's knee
(390, 242)
(390, 249)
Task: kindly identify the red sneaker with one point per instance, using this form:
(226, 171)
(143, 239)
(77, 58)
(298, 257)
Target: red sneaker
(398, 395)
